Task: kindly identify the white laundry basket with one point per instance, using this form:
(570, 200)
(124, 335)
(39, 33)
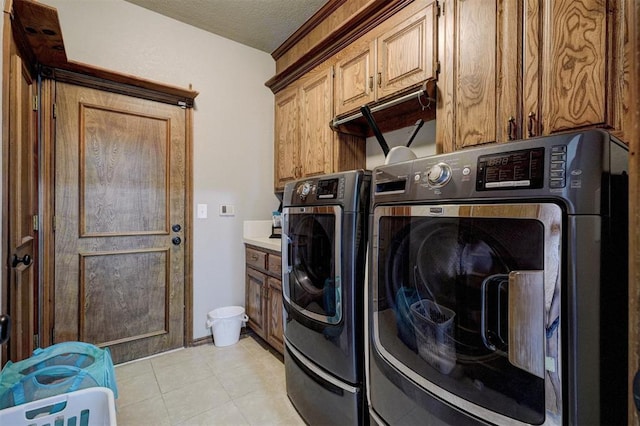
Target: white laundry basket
(87, 407)
(226, 323)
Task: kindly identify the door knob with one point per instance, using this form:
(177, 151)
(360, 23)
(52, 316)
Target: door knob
(176, 241)
(5, 328)
(18, 260)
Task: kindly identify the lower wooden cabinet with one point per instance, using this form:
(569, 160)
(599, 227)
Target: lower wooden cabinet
(263, 295)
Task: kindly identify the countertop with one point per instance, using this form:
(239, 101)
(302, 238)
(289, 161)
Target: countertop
(256, 233)
(264, 242)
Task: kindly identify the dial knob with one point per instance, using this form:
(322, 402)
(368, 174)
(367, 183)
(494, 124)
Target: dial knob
(439, 174)
(304, 189)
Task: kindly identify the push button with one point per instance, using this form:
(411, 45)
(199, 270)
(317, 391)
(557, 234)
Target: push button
(558, 166)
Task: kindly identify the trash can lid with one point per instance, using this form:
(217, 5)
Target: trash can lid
(226, 312)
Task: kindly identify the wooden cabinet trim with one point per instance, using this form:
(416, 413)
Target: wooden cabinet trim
(46, 49)
(345, 34)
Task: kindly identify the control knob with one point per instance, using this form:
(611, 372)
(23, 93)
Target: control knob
(303, 190)
(439, 174)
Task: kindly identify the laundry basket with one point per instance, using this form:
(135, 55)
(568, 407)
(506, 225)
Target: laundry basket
(86, 407)
(226, 323)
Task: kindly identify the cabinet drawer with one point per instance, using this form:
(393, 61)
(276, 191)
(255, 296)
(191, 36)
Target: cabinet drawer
(275, 264)
(256, 258)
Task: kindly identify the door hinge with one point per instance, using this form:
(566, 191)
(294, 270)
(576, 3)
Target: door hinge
(54, 111)
(36, 341)
(439, 9)
(53, 223)
(36, 222)
(437, 67)
(35, 103)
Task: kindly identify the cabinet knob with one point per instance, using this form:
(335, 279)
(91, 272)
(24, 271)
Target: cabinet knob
(532, 119)
(512, 129)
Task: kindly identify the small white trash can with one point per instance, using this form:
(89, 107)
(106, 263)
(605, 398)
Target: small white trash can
(226, 323)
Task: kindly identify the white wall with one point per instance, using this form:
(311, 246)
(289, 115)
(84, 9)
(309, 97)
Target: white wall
(423, 145)
(233, 124)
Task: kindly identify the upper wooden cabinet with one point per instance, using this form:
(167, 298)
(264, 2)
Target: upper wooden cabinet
(397, 55)
(303, 138)
(286, 136)
(513, 70)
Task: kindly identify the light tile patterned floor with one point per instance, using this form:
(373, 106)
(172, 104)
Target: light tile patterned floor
(242, 384)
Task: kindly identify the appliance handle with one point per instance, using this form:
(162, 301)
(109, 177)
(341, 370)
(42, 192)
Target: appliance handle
(289, 253)
(490, 329)
(526, 321)
(525, 340)
(286, 243)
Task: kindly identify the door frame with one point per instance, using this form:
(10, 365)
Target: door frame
(10, 38)
(47, 176)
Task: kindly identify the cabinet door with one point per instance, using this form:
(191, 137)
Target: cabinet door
(355, 77)
(275, 330)
(255, 302)
(316, 111)
(475, 73)
(406, 53)
(480, 83)
(569, 89)
(286, 137)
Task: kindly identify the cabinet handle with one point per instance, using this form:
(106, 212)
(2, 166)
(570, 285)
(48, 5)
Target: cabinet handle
(254, 256)
(370, 82)
(379, 79)
(532, 118)
(512, 128)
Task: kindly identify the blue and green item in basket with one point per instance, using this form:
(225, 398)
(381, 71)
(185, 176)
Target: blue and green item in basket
(60, 368)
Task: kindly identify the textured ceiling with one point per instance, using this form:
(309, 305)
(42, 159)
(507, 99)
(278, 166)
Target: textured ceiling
(262, 24)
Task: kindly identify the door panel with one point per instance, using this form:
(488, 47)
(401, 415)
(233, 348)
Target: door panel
(22, 201)
(120, 185)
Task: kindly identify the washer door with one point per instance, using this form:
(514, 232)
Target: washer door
(460, 292)
(311, 275)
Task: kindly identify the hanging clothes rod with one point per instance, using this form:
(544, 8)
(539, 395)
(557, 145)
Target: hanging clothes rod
(417, 94)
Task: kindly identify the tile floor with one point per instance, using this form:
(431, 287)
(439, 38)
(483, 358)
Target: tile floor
(242, 384)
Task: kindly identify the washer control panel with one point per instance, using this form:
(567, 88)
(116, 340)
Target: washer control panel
(320, 189)
(509, 170)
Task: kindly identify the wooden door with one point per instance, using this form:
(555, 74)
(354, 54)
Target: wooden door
(406, 53)
(276, 328)
(22, 197)
(316, 111)
(286, 137)
(119, 222)
(255, 302)
(355, 77)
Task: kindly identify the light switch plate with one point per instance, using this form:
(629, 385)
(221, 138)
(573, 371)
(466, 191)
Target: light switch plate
(202, 211)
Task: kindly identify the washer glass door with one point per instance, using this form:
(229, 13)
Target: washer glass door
(311, 265)
(466, 304)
